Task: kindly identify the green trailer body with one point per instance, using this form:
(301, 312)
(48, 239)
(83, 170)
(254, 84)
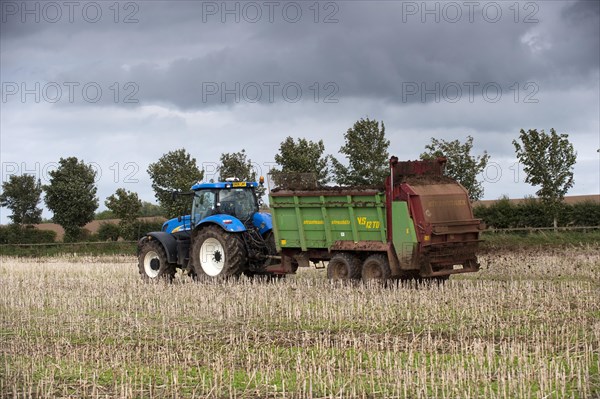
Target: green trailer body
(338, 220)
(318, 220)
(420, 225)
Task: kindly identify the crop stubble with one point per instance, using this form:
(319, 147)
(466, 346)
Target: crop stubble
(526, 326)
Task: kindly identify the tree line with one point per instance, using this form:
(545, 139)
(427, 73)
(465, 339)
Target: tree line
(71, 192)
(533, 213)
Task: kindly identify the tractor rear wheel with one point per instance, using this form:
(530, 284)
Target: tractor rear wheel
(343, 267)
(376, 268)
(218, 254)
(152, 262)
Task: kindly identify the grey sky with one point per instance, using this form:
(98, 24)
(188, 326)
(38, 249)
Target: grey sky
(118, 86)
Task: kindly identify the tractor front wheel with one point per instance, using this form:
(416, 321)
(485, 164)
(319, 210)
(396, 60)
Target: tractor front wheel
(218, 254)
(152, 262)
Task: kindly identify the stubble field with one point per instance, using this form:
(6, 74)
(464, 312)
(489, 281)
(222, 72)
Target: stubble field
(526, 326)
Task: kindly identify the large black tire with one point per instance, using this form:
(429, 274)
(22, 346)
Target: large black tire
(343, 267)
(152, 263)
(376, 268)
(217, 254)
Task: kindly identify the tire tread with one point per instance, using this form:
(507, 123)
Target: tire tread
(235, 253)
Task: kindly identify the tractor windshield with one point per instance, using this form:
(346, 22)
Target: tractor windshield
(238, 202)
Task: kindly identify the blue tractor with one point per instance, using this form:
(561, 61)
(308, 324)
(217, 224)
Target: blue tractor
(224, 236)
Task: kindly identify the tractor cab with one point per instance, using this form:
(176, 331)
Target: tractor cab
(223, 203)
(236, 199)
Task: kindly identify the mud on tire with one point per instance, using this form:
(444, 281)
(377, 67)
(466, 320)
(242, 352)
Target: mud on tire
(376, 268)
(152, 262)
(217, 254)
(343, 267)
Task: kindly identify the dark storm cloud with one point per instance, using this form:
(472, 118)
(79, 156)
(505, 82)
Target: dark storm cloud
(580, 45)
(582, 11)
(182, 53)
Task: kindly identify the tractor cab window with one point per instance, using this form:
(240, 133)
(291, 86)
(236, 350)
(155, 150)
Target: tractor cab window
(238, 202)
(203, 205)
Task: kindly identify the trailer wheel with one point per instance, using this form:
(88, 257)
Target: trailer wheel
(376, 268)
(218, 254)
(343, 266)
(152, 262)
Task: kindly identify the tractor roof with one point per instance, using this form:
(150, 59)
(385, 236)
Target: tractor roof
(227, 184)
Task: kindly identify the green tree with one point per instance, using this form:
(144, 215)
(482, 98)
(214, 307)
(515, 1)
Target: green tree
(548, 161)
(104, 215)
(302, 156)
(71, 195)
(21, 194)
(499, 215)
(174, 171)
(126, 206)
(236, 164)
(586, 213)
(461, 166)
(366, 149)
(109, 232)
(531, 212)
(150, 209)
